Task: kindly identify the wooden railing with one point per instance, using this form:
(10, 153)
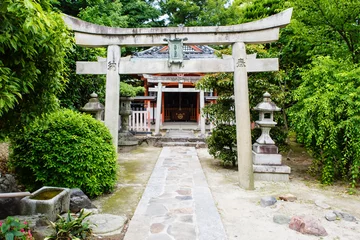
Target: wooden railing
(139, 121)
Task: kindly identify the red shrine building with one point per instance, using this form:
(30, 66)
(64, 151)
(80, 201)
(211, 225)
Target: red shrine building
(180, 101)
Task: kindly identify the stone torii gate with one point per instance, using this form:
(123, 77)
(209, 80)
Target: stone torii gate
(262, 31)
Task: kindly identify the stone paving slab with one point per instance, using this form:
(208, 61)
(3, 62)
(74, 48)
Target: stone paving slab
(177, 203)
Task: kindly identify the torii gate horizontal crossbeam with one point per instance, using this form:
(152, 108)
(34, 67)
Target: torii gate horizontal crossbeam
(261, 31)
(261, 36)
(189, 66)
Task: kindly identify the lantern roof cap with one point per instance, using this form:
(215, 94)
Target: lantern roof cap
(267, 105)
(93, 105)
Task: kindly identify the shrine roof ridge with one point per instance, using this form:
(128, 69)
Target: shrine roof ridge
(275, 21)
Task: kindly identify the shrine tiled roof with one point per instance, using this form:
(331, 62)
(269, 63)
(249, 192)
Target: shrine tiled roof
(189, 51)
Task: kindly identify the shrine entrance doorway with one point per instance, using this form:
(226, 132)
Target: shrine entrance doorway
(181, 106)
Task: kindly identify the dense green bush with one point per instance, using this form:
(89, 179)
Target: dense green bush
(222, 144)
(326, 118)
(65, 149)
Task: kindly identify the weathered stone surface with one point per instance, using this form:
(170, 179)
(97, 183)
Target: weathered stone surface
(184, 197)
(155, 209)
(322, 205)
(330, 216)
(266, 159)
(345, 216)
(267, 149)
(157, 227)
(7, 184)
(267, 201)
(186, 192)
(42, 232)
(8, 206)
(91, 210)
(288, 197)
(161, 236)
(183, 231)
(78, 200)
(186, 218)
(51, 207)
(281, 219)
(107, 223)
(182, 211)
(307, 225)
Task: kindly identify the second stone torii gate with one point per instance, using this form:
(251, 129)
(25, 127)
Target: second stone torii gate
(262, 31)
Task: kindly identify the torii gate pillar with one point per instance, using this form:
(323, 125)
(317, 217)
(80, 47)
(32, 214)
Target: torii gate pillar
(112, 92)
(242, 116)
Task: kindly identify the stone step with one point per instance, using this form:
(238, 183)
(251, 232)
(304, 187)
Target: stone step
(181, 139)
(198, 144)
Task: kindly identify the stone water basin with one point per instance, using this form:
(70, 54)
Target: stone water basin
(49, 201)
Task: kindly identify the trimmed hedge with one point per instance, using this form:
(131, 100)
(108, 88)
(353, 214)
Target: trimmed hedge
(65, 149)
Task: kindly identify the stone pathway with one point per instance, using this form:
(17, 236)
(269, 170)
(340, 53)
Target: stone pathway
(177, 203)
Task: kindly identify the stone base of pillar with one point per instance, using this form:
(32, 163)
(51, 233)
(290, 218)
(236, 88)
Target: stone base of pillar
(271, 177)
(266, 159)
(265, 148)
(267, 167)
(127, 139)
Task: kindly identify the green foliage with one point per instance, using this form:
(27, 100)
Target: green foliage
(33, 44)
(334, 22)
(104, 12)
(127, 90)
(194, 13)
(141, 13)
(222, 144)
(69, 227)
(326, 117)
(65, 149)
(79, 87)
(12, 229)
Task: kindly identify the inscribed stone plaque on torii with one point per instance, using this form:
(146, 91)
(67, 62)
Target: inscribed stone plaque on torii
(262, 31)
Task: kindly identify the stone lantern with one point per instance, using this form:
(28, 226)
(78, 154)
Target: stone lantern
(266, 119)
(125, 112)
(126, 138)
(94, 107)
(267, 162)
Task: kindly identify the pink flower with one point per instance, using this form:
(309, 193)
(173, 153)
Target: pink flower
(22, 230)
(0, 224)
(25, 222)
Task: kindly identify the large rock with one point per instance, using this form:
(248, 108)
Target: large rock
(345, 216)
(267, 201)
(8, 184)
(78, 200)
(330, 216)
(8, 206)
(288, 197)
(307, 225)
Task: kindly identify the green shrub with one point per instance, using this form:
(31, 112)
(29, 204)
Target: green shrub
(222, 144)
(65, 149)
